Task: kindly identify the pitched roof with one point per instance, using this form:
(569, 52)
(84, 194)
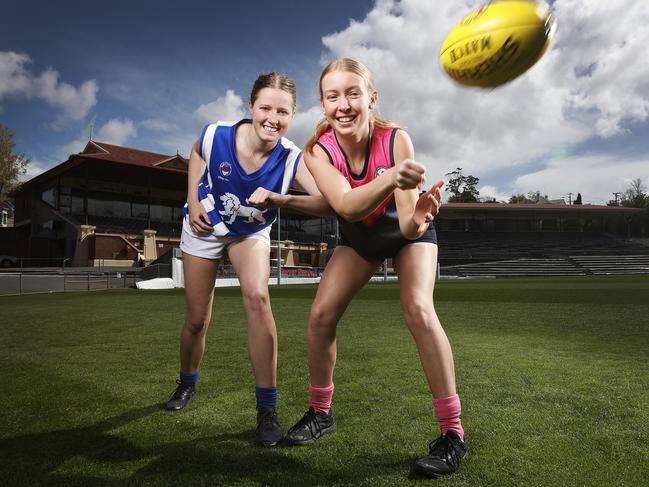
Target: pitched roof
(101, 151)
(136, 157)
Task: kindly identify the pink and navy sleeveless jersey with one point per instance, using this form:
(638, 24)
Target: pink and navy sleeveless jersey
(378, 236)
(224, 187)
(378, 160)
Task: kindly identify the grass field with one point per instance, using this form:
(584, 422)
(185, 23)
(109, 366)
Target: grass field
(553, 376)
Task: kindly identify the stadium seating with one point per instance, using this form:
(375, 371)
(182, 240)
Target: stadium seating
(518, 267)
(530, 254)
(615, 264)
(462, 248)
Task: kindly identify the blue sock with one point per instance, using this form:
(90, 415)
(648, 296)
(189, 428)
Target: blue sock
(266, 396)
(188, 379)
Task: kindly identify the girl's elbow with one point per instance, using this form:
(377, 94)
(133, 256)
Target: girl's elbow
(343, 212)
(410, 234)
(353, 217)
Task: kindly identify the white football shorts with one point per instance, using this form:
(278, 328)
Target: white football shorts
(209, 246)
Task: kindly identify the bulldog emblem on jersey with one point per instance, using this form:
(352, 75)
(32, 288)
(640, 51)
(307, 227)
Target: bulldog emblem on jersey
(233, 208)
(380, 170)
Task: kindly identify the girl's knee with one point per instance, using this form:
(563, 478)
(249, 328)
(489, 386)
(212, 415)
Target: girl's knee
(419, 316)
(256, 299)
(322, 317)
(196, 326)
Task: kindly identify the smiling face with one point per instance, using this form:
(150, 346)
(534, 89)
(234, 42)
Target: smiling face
(272, 112)
(347, 102)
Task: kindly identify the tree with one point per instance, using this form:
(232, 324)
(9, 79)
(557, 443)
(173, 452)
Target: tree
(488, 199)
(536, 197)
(520, 198)
(533, 197)
(12, 166)
(462, 188)
(577, 199)
(635, 196)
(616, 201)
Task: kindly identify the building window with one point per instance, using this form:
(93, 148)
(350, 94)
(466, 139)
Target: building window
(99, 205)
(179, 214)
(139, 210)
(76, 207)
(4, 219)
(161, 213)
(49, 196)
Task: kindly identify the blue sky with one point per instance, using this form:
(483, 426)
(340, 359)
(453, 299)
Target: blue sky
(149, 74)
(154, 61)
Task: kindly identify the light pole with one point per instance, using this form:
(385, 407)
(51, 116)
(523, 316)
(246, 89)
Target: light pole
(279, 249)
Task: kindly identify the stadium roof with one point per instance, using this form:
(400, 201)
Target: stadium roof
(100, 151)
(534, 207)
(137, 157)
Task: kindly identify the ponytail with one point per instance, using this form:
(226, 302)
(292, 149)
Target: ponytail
(320, 129)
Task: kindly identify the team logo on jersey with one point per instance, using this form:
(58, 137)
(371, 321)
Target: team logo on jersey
(233, 208)
(380, 170)
(225, 169)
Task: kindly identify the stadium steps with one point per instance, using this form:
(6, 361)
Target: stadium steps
(576, 265)
(612, 264)
(485, 247)
(517, 267)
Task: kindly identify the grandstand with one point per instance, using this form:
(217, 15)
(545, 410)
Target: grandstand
(99, 205)
(495, 239)
(483, 247)
(111, 205)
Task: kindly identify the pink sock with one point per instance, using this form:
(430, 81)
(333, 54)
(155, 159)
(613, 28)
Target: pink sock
(321, 398)
(448, 411)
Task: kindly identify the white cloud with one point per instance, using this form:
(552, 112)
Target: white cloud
(158, 125)
(596, 177)
(36, 167)
(16, 81)
(228, 107)
(303, 125)
(591, 84)
(173, 142)
(116, 131)
(491, 192)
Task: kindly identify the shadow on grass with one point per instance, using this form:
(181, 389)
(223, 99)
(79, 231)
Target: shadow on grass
(34, 459)
(92, 455)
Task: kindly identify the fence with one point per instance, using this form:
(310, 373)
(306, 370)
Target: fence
(44, 280)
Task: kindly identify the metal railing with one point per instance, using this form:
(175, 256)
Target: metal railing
(48, 280)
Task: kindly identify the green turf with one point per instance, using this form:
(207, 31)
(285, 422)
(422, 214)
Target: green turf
(553, 376)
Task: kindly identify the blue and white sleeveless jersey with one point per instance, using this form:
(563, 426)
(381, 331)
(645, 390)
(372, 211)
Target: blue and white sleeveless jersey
(225, 186)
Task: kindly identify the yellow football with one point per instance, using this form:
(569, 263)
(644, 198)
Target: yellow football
(497, 42)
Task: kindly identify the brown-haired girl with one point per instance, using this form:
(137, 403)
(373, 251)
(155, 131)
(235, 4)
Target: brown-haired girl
(231, 162)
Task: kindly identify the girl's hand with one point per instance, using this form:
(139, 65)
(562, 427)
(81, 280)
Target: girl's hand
(199, 221)
(266, 199)
(409, 174)
(428, 204)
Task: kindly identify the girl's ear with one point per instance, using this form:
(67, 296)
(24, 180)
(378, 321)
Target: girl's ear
(373, 98)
